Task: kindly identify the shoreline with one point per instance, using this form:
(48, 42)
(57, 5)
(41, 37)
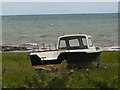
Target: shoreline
(13, 48)
(22, 51)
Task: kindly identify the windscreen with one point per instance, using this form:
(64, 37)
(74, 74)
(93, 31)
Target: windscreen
(73, 43)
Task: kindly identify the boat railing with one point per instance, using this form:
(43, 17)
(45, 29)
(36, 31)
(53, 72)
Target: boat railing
(48, 47)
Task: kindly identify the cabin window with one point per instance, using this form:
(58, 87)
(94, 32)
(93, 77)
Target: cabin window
(90, 42)
(62, 44)
(74, 43)
(84, 41)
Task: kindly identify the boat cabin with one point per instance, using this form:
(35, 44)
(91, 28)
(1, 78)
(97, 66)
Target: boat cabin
(77, 41)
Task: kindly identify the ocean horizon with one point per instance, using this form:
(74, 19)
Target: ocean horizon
(56, 14)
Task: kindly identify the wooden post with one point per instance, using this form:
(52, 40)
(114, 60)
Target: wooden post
(38, 46)
(49, 47)
(43, 46)
(55, 47)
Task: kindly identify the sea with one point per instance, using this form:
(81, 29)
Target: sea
(20, 29)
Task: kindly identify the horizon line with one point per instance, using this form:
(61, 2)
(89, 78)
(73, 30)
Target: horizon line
(59, 14)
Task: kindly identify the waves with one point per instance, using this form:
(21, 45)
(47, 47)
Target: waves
(40, 29)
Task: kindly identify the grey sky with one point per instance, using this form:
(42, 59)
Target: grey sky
(25, 8)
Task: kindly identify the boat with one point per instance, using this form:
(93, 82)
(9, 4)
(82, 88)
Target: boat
(74, 49)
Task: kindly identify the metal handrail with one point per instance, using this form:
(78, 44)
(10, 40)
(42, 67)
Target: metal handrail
(46, 47)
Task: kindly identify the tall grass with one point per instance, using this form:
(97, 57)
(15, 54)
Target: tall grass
(18, 73)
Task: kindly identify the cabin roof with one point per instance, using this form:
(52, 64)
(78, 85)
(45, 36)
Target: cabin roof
(73, 35)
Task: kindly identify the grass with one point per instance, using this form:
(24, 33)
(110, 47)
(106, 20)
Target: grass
(18, 73)
(15, 66)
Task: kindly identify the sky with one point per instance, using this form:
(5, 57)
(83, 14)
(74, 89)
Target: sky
(60, 0)
(34, 8)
